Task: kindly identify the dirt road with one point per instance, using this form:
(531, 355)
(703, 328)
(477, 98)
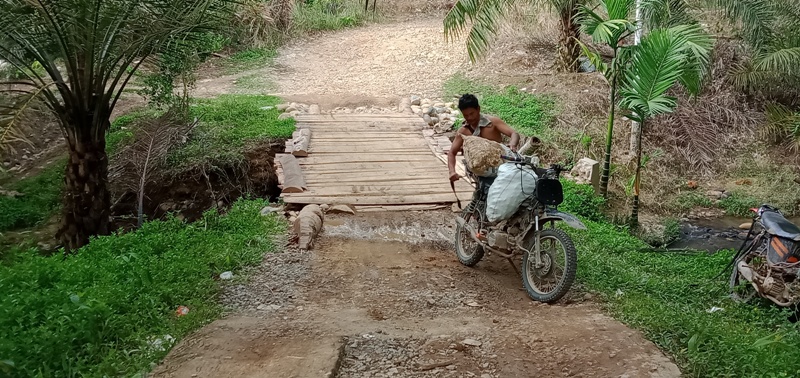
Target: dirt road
(383, 295)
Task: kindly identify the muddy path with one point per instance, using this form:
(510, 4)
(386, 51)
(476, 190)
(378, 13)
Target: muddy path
(382, 295)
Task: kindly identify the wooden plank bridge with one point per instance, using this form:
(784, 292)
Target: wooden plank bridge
(372, 160)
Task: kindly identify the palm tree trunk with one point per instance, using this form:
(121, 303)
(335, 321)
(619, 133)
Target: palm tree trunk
(87, 200)
(637, 179)
(568, 49)
(609, 133)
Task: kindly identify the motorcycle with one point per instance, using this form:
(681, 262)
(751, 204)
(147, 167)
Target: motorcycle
(549, 258)
(769, 259)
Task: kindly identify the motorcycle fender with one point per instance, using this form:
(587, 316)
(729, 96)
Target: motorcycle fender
(569, 219)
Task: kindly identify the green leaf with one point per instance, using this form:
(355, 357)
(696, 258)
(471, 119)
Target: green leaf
(483, 15)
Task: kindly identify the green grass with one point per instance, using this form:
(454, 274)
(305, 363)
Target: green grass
(528, 114)
(689, 200)
(666, 297)
(92, 314)
(739, 204)
(325, 15)
(228, 124)
(251, 58)
(41, 199)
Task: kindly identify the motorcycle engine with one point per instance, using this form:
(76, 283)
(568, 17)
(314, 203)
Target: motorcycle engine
(498, 239)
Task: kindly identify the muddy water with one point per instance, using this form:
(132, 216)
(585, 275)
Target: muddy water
(715, 234)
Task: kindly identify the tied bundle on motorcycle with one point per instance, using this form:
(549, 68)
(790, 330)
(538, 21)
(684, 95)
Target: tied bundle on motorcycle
(482, 156)
(514, 183)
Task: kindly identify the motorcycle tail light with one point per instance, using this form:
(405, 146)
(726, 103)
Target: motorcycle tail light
(792, 259)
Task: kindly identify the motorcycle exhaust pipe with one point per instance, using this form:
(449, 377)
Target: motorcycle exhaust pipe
(471, 231)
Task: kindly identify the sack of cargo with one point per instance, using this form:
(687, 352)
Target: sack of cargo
(514, 183)
(482, 156)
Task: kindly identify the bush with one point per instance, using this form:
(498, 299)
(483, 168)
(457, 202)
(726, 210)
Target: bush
(738, 204)
(582, 201)
(95, 313)
(322, 15)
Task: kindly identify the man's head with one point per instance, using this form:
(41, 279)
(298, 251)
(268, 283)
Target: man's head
(469, 107)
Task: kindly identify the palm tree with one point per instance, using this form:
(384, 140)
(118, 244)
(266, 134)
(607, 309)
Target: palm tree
(87, 51)
(770, 29)
(609, 23)
(484, 17)
(664, 58)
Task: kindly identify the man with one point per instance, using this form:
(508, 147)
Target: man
(477, 124)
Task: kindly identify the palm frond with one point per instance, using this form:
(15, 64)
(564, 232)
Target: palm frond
(754, 18)
(780, 61)
(783, 126)
(697, 46)
(660, 14)
(657, 64)
(601, 26)
(483, 18)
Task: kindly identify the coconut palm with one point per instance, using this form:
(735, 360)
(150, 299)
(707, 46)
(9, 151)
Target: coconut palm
(483, 17)
(76, 56)
(664, 58)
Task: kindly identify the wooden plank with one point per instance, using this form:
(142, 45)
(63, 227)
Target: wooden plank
(368, 209)
(326, 192)
(340, 160)
(379, 200)
(366, 187)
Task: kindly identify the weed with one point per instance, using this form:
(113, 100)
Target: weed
(581, 200)
(689, 200)
(228, 124)
(95, 313)
(459, 84)
(120, 132)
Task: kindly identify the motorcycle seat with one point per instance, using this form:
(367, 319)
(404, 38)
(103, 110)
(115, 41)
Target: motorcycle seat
(776, 224)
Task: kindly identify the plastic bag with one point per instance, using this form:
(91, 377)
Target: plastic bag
(514, 183)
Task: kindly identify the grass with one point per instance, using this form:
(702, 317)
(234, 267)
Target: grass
(667, 296)
(528, 114)
(326, 15)
(249, 59)
(93, 314)
(228, 124)
(41, 198)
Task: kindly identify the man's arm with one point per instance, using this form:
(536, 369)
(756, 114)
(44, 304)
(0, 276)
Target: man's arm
(458, 142)
(506, 130)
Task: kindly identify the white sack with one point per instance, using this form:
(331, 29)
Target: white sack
(514, 183)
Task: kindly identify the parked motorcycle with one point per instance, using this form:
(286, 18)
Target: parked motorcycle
(769, 259)
(549, 259)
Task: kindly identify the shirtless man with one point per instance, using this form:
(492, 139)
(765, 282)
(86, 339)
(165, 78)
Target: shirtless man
(475, 123)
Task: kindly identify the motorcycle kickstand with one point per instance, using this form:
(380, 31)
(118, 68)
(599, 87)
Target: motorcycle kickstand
(511, 261)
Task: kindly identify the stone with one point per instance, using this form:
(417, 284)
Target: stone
(267, 107)
(434, 120)
(269, 210)
(325, 207)
(226, 275)
(284, 116)
(282, 107)
(416, 100)
(314, 109)
(587, 171)
(427, 119)
(10, 193)
(341, 209)
(746, 225)
(715, 194)
(438, 105)
(441, 110)
(472, 342)
(416, 109)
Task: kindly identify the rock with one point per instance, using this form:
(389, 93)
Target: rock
(443, 126)
(10, 193)
(455, 208)
(269, 210)
(267, 107)
(472, 342)
(426, 101)
(314, 109)
(746, 226)
(416, 109)
(486, 376)
(715, 194)
(441, 110)
(438, 105)
(226, 275)
(284, 116)
(282, 107)
(427, 119)
(325, 207)
(307, 225)
(434, 120)
(587, 171)
(416, 100)
(341, 209)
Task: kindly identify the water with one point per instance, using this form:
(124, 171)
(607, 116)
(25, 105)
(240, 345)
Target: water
(715, 234)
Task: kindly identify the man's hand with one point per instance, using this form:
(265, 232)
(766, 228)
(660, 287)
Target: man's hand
(454, 176)
(513, 147)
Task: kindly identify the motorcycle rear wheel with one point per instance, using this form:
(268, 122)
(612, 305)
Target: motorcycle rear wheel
(468, 251)
(531, 274)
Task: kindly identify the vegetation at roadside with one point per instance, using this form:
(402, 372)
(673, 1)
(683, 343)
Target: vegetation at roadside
(40, 198)
(670, 298)
(99, 312)
(230, 123)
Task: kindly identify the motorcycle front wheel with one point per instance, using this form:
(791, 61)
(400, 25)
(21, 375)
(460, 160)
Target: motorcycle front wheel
(548, 281)
(468, 251)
